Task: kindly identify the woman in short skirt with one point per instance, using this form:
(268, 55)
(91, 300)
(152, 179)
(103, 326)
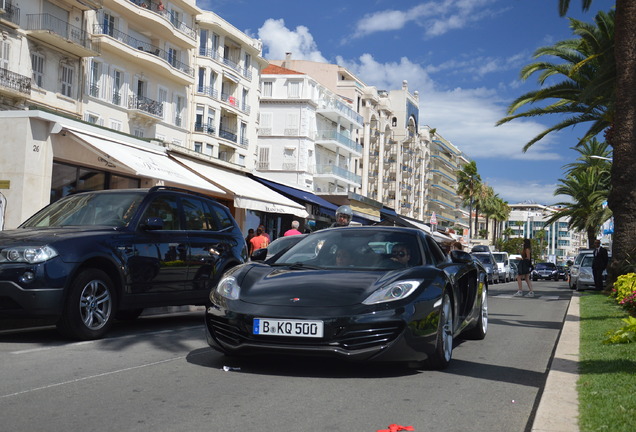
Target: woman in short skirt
(524, 269)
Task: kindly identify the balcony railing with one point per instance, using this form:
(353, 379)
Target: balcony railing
(332, 135)
(340, 172)
(228, 134)
(11, 13)
(244, 142)
(210, 52)
(59, 27)
(159, 8)
(14, 81)
(332, 104)
(145, 104)
(205, 128)
(208, 91)
(144, 46)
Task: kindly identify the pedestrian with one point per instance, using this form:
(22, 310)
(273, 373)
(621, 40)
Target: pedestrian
(259, 241)
(343, 216)
(250, 236)
(524, 269)
(294, 229)
(262, 227)
(456, 246)
(599, 264)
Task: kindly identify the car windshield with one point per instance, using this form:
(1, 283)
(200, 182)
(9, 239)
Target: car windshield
(484, 258)
(545, 266)
(353, 248)
(499, 257)
(88, 209)
(587, 261)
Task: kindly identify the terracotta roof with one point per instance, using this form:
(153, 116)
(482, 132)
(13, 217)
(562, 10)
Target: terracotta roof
(277, 70)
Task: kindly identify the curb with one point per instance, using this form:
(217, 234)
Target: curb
(558, 409)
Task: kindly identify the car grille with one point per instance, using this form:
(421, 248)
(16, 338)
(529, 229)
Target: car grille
(360, 336)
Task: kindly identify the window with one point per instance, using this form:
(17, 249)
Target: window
(201, 80)
(6, 50)
(197, 215)
(179, 106)
(209, 149)
(117, 84)
(203, 41)
(174, 57)
(267, 88)
(166, 209)
(263, 158)
(293, 89)
(37, 63)
(108, 24)
(67, 81)
(163, 97)
(93, 89)
(198, 147)
(115, 125)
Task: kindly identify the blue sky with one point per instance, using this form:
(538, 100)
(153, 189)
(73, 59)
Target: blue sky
(462, 56)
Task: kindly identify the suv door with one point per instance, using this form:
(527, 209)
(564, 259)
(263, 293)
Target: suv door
(212, 240)
(158, 267)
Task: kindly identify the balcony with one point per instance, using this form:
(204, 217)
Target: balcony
(51, 30)
(335, 110)
(151, 53)
(9, 14)
(168, 16)
(145, 108)
(228, 134)
(208, 91)
(336, 171)
(205, 128)
(13, 84)
(332, 139)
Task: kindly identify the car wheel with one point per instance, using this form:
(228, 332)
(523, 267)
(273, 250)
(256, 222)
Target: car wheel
(444, 340)
(481, 327)
(90, 306)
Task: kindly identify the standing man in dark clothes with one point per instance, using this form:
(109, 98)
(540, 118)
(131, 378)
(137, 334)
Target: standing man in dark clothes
(599, 263)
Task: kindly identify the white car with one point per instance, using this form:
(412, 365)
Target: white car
(581, 276)
(503, 264)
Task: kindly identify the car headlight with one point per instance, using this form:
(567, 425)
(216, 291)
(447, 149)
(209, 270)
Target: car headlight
(395, 291)
(229, 288)
(27, 254)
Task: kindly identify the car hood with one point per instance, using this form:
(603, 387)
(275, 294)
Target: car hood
(43, 236)
(282, 286)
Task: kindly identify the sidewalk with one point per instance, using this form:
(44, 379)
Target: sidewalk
(559, 408)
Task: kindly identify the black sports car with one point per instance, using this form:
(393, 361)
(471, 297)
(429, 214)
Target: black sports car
(360, 293)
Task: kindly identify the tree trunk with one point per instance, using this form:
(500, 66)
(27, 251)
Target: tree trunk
(622, 196)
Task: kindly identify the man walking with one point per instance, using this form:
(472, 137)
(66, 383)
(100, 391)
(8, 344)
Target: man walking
(599, 263)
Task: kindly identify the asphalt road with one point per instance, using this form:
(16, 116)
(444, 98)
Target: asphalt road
(158, 374)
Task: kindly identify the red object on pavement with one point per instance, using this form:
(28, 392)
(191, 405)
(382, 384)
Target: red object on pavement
(396, 427)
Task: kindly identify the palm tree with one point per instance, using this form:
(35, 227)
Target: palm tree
(468, 181)
(622, 198)
(587, 69)
(483, 196)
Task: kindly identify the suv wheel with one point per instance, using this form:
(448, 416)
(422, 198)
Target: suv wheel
(90, 306)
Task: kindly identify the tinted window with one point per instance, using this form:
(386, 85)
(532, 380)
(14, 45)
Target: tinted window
(223, 216)
(545, 266)
(484, 259)
(164, 207)
(438, 255)
(197, 215)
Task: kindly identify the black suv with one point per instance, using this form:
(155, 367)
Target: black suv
(94, 256)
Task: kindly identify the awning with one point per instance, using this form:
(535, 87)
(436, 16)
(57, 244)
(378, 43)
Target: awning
(248, 194)
(302, 196)
(144, 162)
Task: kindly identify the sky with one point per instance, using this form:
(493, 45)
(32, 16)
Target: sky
(463, 57)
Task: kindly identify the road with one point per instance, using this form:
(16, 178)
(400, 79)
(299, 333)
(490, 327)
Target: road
(158, 374)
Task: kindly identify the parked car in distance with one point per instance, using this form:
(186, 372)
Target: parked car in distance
(513, 269)
(503, 265)
(489, 263)
(562, 272)
(581, 276)
(544, 270)
(91, 257)
(369, 294)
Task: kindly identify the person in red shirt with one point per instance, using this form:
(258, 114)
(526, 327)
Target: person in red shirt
(294, 229)
(259, 241)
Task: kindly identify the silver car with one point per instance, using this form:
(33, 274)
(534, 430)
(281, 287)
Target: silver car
(490, 264)
(581, 276)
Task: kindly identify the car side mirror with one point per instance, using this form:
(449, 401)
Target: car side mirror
(460, 257)
(259, 255)
(153, 224)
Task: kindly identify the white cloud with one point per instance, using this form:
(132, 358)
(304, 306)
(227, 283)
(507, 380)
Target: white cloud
(435, 17)
(280, 40)
(530, 190)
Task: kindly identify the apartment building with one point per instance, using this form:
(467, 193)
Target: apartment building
(558, 242)
(100, 94)
(444, 163)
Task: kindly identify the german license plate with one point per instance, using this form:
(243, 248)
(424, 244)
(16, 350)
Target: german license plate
(287, 327)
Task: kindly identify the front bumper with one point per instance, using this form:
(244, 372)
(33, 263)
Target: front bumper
(401, 334)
